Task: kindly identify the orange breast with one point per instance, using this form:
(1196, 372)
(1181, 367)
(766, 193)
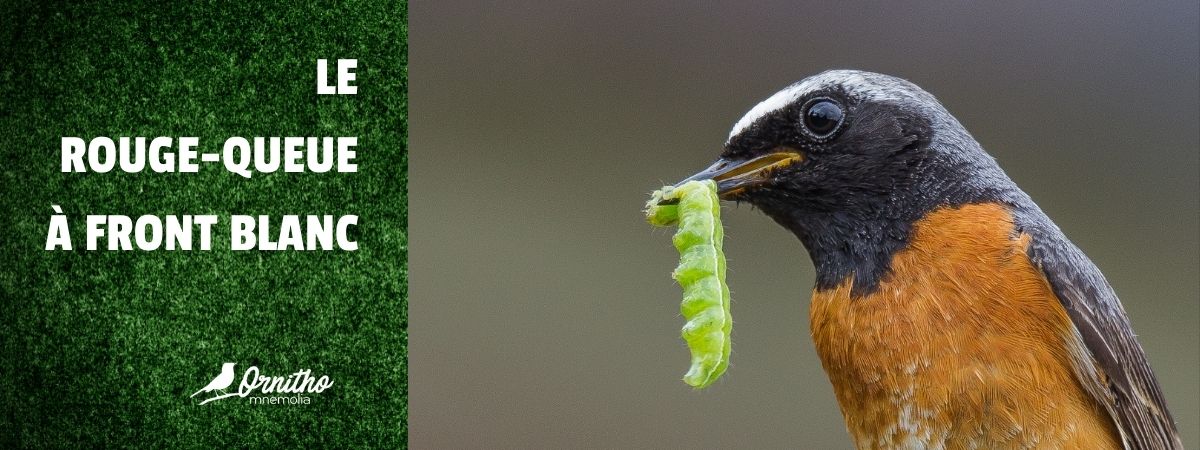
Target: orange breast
(963, 345)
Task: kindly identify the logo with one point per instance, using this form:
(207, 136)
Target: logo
(292, 389)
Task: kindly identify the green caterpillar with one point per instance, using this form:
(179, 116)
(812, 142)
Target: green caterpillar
(701, 273)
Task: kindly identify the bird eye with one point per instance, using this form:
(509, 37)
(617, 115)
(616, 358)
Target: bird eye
(822, 117)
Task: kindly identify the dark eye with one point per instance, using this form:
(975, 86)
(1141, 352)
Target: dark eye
(822, 118)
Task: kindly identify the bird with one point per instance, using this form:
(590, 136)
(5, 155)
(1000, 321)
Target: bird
(948, 310)
(221, 382)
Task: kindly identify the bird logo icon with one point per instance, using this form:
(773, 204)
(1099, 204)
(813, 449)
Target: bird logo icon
(221, 382)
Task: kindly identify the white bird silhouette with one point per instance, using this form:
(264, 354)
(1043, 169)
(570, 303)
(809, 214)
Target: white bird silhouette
(221, 382)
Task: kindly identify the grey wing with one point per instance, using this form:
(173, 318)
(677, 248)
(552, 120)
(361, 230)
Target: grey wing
(1117, 373)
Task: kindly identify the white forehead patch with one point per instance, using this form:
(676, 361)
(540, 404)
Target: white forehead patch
(770, 105)
(864, 85)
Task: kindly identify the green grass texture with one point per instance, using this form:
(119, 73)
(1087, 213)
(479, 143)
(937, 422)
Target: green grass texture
(101, 349)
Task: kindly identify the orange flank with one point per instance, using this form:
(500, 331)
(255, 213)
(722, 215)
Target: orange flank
(964, 345)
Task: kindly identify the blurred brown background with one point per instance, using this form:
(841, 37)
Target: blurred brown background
(543, 313)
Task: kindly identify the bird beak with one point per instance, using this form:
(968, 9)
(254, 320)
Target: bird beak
(733, 176)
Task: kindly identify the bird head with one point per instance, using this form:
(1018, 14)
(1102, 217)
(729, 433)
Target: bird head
(227, 366)
(848, 160)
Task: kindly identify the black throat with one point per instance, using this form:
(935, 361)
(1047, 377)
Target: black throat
(842, 244)
(855, 232)
(855, 199)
